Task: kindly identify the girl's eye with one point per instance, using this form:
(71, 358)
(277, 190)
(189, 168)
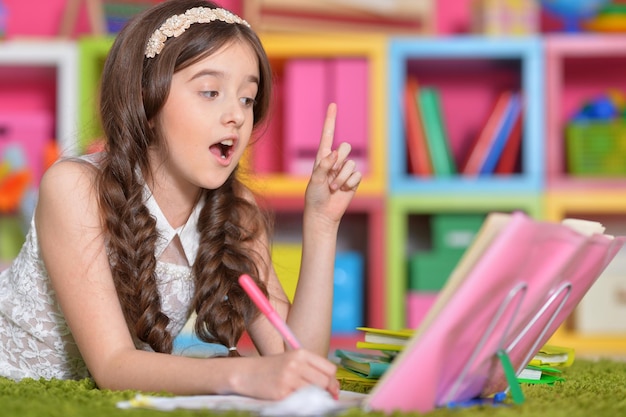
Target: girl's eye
(248, 102)
(209, 94)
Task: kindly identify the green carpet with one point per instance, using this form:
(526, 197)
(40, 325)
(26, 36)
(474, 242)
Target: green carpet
(591, 389)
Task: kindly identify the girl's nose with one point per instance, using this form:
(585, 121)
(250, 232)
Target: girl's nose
(233, 113)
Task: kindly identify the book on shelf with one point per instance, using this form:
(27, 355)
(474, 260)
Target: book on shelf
(477, 154)
(510, 158)
(368, 365)
(418, 155)
(435, 132)
(503, 134)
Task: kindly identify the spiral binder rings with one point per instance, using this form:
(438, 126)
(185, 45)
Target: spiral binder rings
(515, 285)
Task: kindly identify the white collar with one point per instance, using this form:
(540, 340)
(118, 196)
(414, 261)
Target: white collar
(188, 233)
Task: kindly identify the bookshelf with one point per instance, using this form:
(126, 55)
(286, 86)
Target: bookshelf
(469, 72)
(38, 99)
(466, 70)
(578, 68)
(555, 73)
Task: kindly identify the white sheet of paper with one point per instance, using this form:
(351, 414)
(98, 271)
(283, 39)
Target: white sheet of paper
(308, 401)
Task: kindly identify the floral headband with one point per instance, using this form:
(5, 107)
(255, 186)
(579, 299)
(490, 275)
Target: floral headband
(177, 24)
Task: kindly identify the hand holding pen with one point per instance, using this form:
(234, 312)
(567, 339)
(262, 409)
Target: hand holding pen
(266, 308)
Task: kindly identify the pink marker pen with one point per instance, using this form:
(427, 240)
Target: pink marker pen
(266, 308)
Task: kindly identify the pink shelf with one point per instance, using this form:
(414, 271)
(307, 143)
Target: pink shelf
(578, 68)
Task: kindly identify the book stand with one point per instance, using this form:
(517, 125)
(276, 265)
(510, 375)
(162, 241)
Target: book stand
(561, 293)
(518, 292)
(565, 289)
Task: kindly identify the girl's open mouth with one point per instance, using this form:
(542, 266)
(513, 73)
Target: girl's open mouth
(224, 149)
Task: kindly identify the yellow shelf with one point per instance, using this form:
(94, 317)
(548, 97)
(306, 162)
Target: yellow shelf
(591, 345)
(285, 185)
(372, 47)
(559, 204)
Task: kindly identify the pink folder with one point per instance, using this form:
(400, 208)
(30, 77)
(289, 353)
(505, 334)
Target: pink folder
(267, 147)
(305, 100)
(418, 304)
(348, 78)
(310, 85)
(454, 358)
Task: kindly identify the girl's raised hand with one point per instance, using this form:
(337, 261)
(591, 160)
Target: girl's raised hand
(335, 178)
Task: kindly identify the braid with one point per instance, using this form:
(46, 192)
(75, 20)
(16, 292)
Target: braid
(228, 225)
(132, 238)
(129, 227)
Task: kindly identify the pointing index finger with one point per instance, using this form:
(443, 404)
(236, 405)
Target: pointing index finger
(328, 133)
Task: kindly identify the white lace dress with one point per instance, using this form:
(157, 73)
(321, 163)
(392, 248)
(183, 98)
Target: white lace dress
(35, 340)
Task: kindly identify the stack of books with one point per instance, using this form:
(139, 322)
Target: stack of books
(375, 353)
(547, 365)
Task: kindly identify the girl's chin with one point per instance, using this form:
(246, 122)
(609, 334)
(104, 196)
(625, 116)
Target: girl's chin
(216, 181)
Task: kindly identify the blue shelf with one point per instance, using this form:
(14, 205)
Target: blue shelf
(522, 58)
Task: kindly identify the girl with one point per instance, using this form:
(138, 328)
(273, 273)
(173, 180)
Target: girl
(126, 244)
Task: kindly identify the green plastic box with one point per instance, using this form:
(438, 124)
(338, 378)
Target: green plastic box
(454, 231)
(429, 271)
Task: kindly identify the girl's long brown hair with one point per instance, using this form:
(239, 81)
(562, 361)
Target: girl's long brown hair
(133, 91)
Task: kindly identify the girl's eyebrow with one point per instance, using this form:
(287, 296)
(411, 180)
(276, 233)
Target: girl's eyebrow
(220, 74)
